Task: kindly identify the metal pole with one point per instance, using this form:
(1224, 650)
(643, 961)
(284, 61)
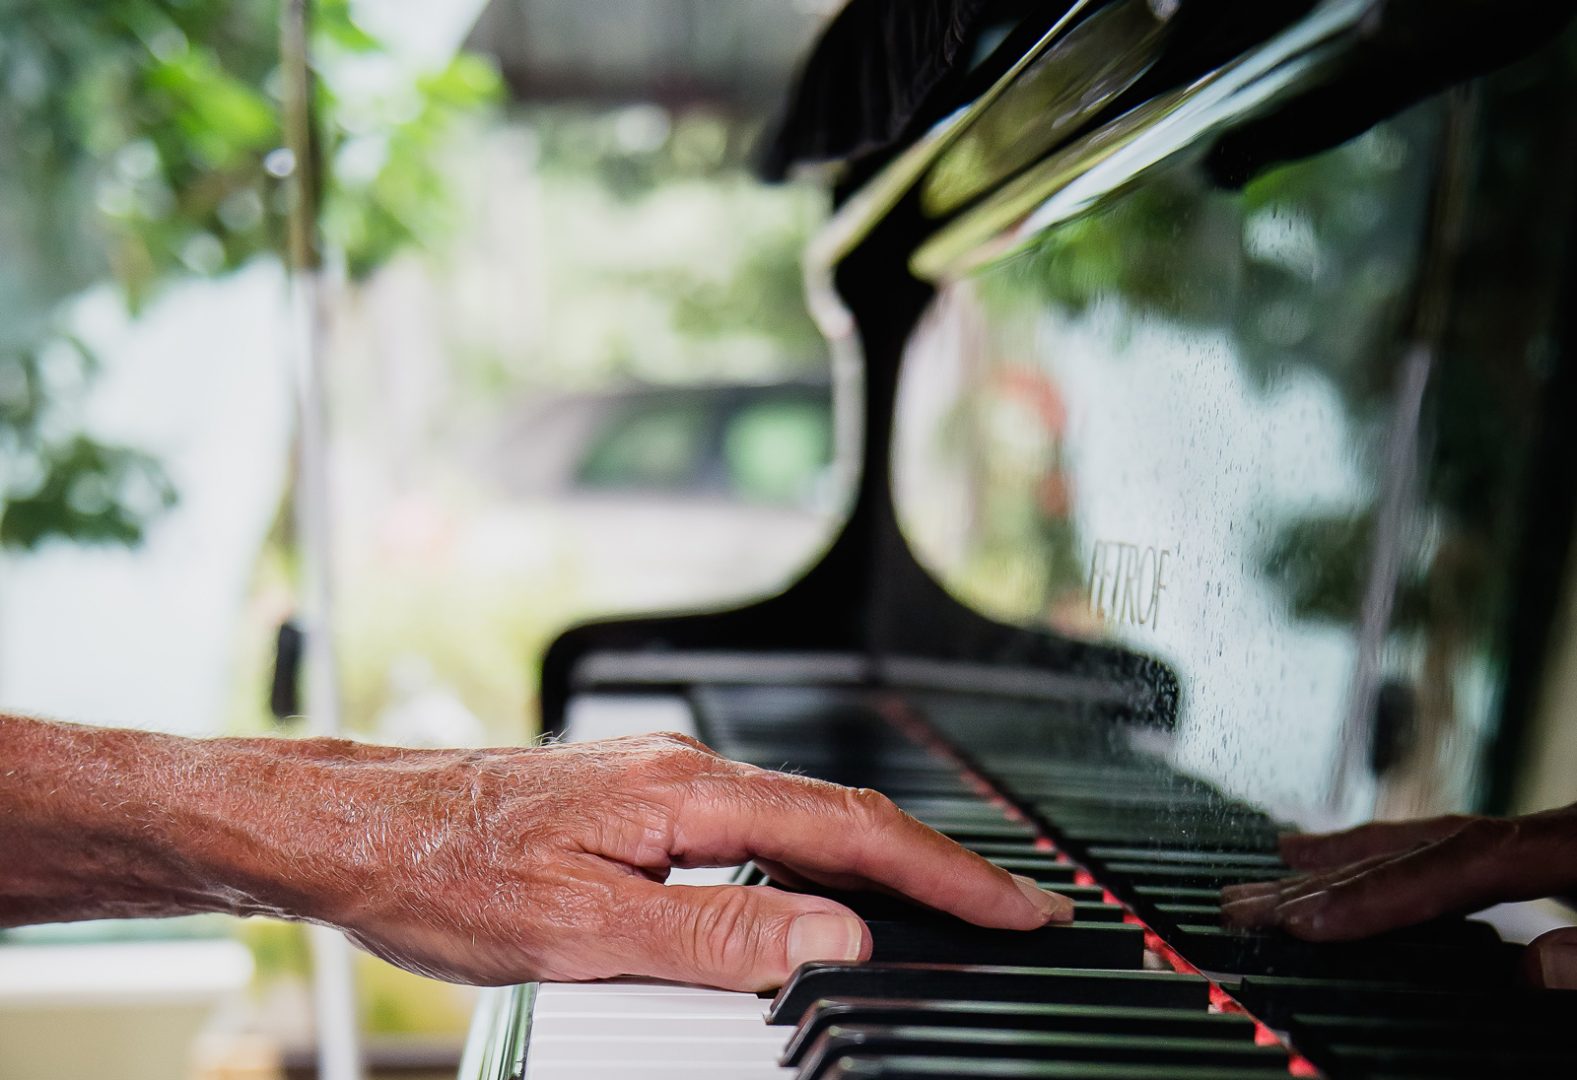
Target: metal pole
(334, 988)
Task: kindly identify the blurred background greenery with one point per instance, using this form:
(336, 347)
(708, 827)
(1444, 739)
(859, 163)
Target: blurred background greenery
(548, 268)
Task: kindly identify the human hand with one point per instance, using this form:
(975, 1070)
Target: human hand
(1386, 875)
(502, 866)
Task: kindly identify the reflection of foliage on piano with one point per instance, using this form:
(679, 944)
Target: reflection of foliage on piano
(1319, 266)
(138, 144)
(1320, 563)
(1309, 266)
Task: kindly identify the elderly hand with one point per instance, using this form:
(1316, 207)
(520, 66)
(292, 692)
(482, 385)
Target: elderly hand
(489, 867)
(1386, 875)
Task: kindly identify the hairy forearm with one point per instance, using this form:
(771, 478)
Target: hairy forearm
(98, 823)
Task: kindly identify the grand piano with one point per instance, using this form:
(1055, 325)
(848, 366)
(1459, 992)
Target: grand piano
(1209, 371)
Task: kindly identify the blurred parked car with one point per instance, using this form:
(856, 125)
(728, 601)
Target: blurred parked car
(666, 496)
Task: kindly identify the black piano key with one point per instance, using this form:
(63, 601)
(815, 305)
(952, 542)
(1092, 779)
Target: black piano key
(1069, 986)
(1270, 952)
(1176, 913)
(865, 1067)
(1104, 945)
(1027, 846)
(839, 1040)
(871, 905)
(965, 832)
(977, 808)
(1087, 1019)
(1194, 875)
(1455, 1062)
(1168, 894)
(1272, 864)
(1351, 1044)
(1276, 999)
(1148, 833)
(1316, 1029)
(1085, 912)
(1047, 871)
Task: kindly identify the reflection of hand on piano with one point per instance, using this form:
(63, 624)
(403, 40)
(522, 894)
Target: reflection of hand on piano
(1386, 875)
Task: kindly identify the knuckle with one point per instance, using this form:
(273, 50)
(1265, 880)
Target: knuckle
(683, 753)
(679, 739)
(1489, 838)
(870, 805)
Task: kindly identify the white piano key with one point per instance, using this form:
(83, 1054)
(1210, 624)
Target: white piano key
(653, 1006)
(595, 1026)
(611, 716)
(603, 987)
(656, 1071)
(650, 1031)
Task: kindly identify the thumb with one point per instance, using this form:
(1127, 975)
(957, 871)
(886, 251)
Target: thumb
(1551, 961)
(734, 936)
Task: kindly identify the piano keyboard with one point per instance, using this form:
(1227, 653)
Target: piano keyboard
(1143, 984)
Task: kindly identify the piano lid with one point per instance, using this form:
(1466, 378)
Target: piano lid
(1297, 429)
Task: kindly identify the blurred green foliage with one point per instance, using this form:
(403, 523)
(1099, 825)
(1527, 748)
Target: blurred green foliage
(655, 216)
(140, 142)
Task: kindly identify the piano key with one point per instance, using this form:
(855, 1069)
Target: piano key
(1438, 1046)
(1159, 894)
(1070, 986)
(974, 808)
(1048, 873)
(859, 1067)
(1089, 1019)
(1011, 847)
(965, 832)
(840, 1040)
(1084, 912)
(1272, 864)
(1205, 876)
(1105, 945)
(873, 905)
(644, 1031)
(1275, 999)
(1453, 1062)
(1036, 865)
(1138, 833)
(1215, 948)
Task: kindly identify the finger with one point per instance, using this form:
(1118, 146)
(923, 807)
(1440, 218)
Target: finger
(733, 936)
(1551, 960)
(1257, 904)
(1324, 851)
(1486, 861)
(1254, 889)
(824, 831)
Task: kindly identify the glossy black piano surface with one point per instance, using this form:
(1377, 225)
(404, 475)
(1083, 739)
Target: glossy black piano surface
(1216, 469)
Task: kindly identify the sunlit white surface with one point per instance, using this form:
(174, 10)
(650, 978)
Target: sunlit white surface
(77, 976)
(145, 637)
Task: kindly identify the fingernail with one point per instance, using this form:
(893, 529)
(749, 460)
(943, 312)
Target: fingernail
(1306, 914)
(1558, 964)
(1051, 906)
(824, 937)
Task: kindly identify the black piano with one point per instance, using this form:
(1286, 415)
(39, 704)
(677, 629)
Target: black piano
(1210, 371)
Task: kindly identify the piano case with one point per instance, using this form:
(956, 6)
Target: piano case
(1212, 476)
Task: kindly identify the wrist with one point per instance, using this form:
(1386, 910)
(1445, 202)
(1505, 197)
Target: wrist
(276, 827)
(85, 835)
